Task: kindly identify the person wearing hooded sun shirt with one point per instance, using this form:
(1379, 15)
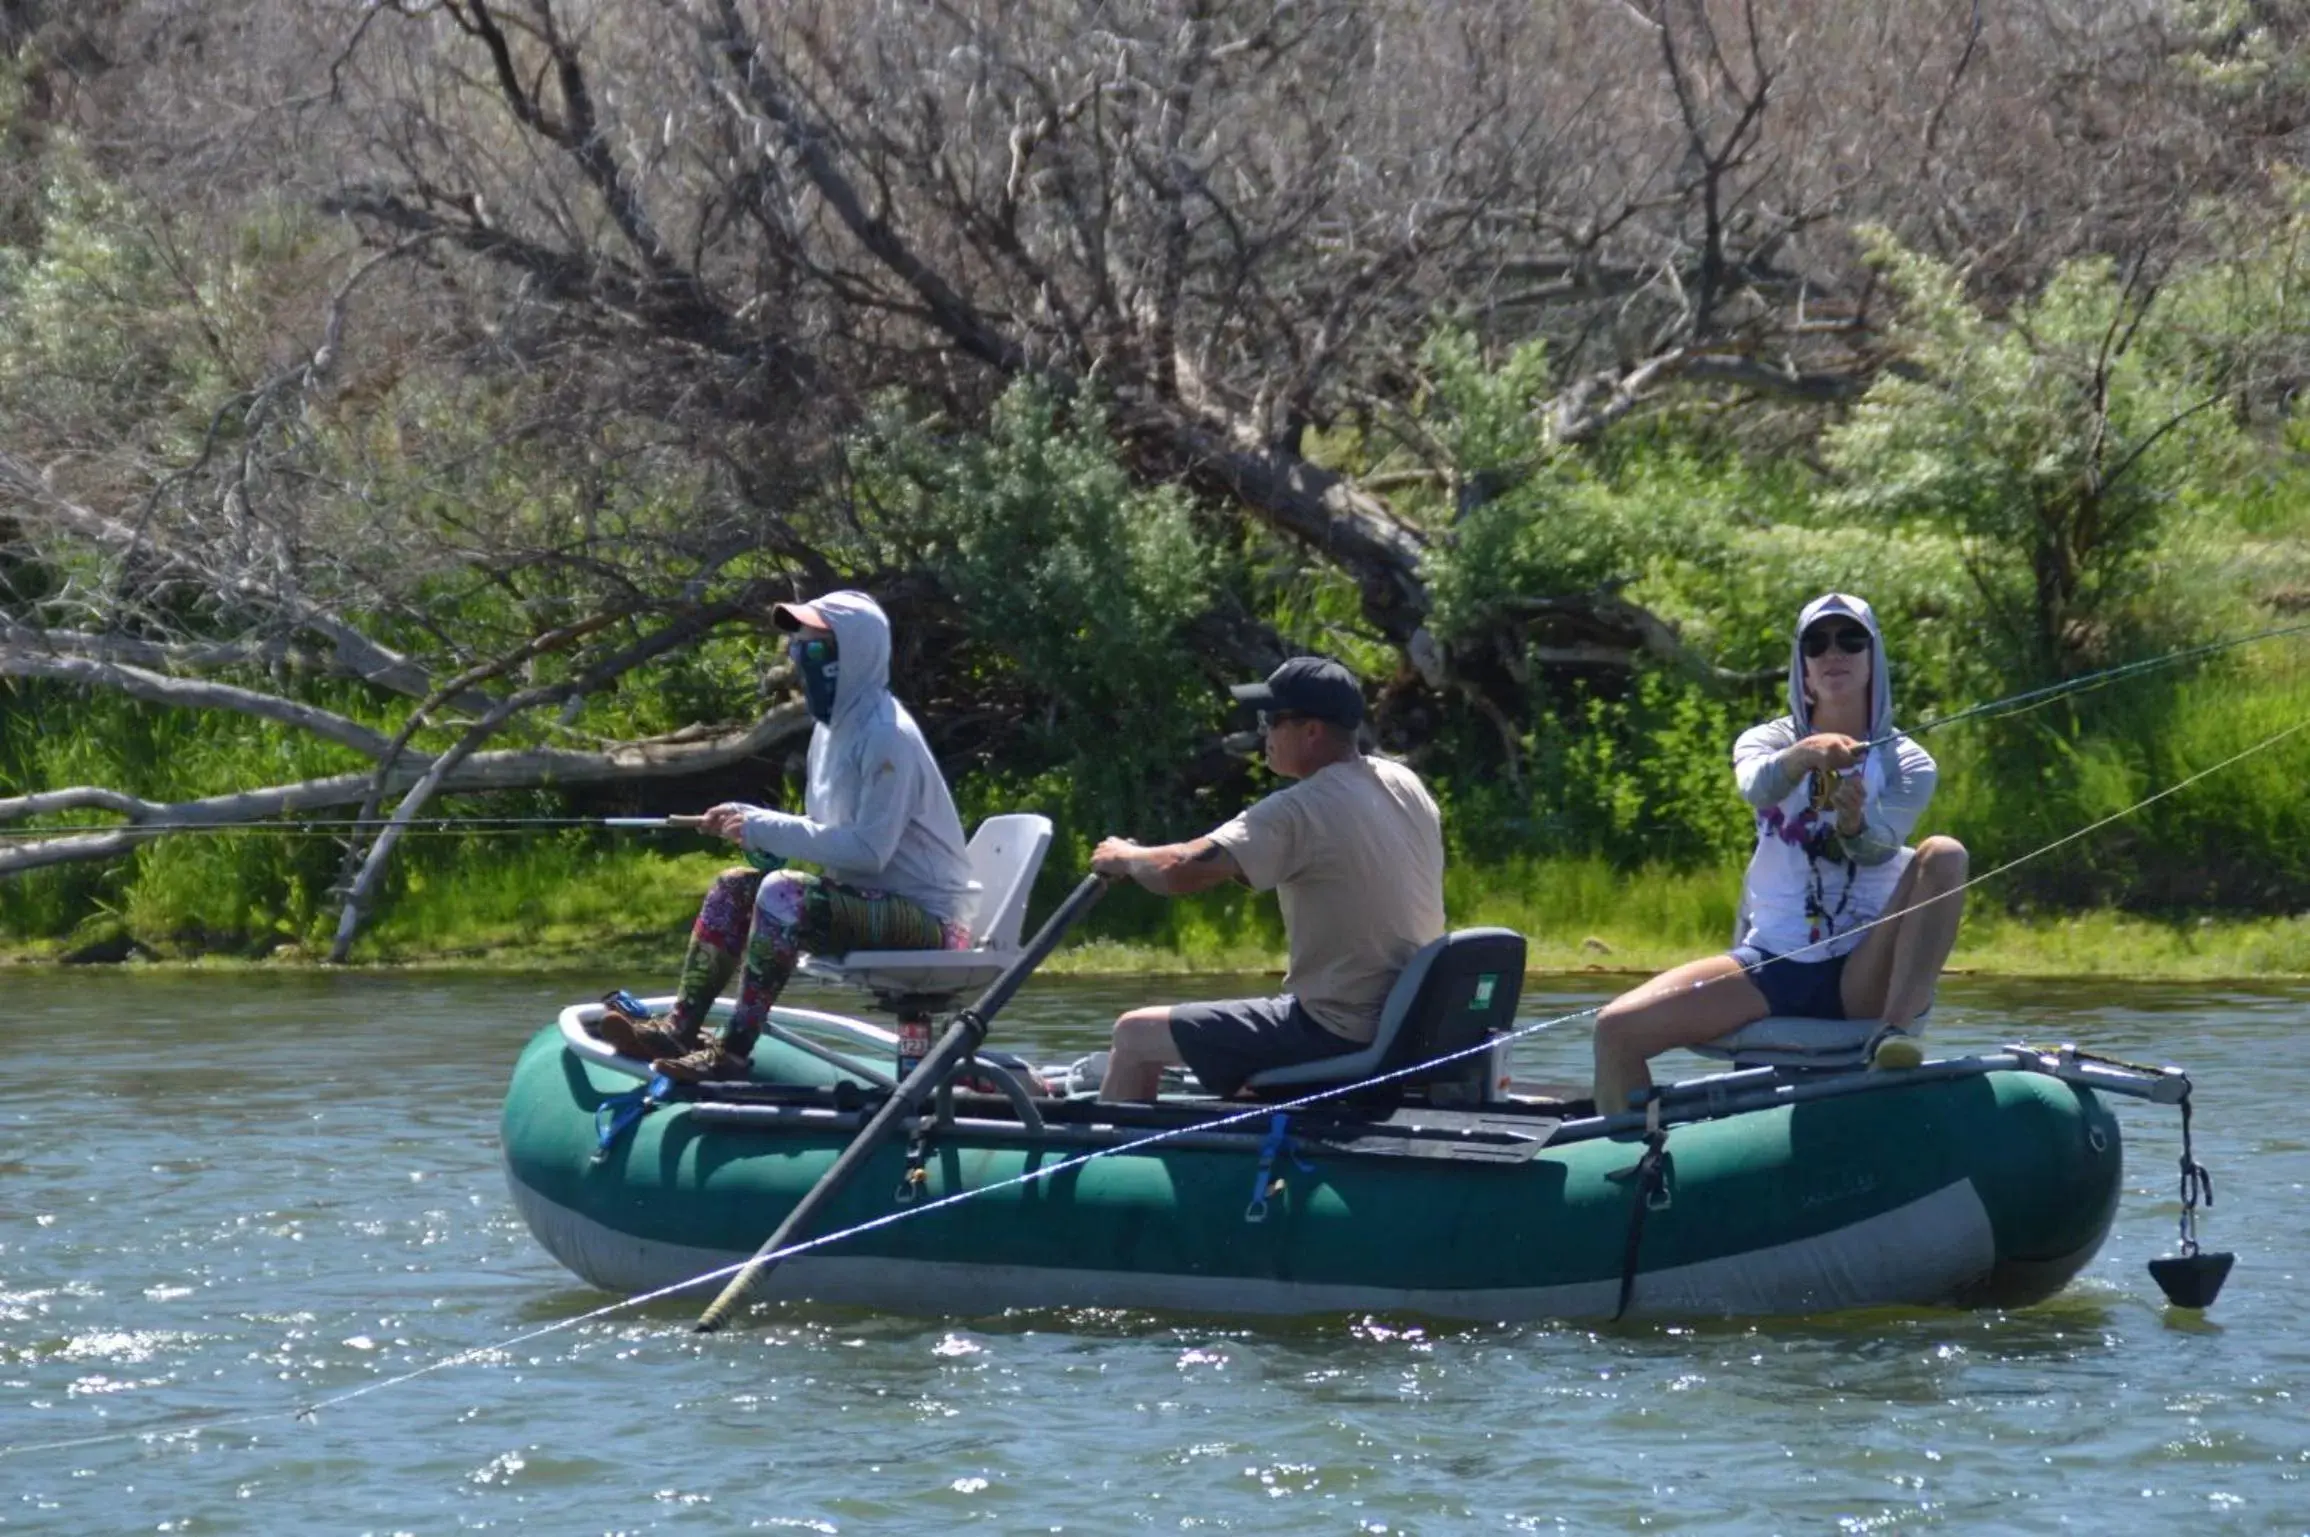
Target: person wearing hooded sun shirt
(876, 819)
(1836, 790)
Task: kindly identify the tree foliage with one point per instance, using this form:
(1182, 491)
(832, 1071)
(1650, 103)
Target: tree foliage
(447, 386)
(1076, 582)
(2053, 439)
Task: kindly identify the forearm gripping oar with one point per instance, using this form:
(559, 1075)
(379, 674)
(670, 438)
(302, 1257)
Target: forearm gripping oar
(963, 1037)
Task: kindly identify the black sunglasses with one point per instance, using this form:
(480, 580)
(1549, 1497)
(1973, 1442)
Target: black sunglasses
(1846, 638)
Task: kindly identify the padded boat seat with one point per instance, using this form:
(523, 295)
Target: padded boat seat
(1815, 1045)
(1455, 992)
(1005, 854)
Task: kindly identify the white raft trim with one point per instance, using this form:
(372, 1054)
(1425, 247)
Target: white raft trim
(872, 1040)
(1928, 1253)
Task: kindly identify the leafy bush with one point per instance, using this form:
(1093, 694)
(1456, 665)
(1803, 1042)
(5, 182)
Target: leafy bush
(2054, 443)
(2238, 839)
(1536, 520)
(1076, 585)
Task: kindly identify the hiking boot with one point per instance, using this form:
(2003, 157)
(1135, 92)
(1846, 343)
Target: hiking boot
(640, 1039)
(708, 1063)
(1896, 1050)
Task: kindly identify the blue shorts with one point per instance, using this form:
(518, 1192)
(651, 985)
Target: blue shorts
(1804, 989)
(1225, 1043)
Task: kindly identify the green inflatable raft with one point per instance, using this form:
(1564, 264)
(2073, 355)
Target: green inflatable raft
(1984, 1181)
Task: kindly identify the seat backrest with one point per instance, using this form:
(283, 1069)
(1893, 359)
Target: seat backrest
(1455, 993)
(1006, 853)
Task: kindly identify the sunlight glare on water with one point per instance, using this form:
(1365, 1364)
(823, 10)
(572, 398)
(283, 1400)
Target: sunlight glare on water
(233, 1195)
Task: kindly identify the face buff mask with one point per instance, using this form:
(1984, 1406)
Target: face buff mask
(815, 660)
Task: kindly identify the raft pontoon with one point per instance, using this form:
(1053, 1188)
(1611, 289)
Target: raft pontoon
(1805, 1186)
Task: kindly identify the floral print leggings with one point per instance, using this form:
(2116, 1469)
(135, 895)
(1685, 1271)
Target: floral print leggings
(757, 927)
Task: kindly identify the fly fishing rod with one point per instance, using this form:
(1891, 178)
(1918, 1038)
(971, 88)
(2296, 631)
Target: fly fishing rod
(2010, 704)
(339, 826)
(2030, 699)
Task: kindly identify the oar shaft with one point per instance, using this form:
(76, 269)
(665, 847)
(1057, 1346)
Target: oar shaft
(906, 1100)
(1046, 940)
(962, 1038)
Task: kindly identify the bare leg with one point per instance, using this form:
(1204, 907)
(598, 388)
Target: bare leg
(1695, 1002)
(1143, 1048)
(1893, 971)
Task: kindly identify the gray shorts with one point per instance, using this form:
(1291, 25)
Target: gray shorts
(1225, 1043)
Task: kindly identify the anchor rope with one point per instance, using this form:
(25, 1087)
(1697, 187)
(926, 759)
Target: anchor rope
(1263, 1110)
(512, 826)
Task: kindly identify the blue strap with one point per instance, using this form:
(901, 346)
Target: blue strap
(1278, 1143)
(620, 1113)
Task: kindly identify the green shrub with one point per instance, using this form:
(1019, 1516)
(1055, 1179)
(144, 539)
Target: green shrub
(2058, 442)
(1076, 585)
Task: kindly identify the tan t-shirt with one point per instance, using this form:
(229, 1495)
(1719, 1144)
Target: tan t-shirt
(1355, 854)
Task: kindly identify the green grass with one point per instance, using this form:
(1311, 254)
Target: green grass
(554, 904)
(2105, 944)
(546, 902)
(1577, 914)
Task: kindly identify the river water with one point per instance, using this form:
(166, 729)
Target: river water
(225, 1197)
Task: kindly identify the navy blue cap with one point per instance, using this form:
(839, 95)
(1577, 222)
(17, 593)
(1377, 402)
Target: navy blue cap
(1314, 686)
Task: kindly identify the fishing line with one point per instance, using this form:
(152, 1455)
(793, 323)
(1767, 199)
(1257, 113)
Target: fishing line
(2030, 699)
(332, 826)
(312, 1409)
(506, 826)
(1256, 1112)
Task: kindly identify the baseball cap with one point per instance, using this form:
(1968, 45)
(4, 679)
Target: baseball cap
(795, 616)
(1314, 686)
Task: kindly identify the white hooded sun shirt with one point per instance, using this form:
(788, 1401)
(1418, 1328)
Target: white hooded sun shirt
(876, 812)
(1808, 891)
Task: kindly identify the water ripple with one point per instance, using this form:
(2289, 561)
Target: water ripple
(182, 1241)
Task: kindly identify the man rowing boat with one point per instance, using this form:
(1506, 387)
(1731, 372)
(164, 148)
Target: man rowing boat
(1354, 851)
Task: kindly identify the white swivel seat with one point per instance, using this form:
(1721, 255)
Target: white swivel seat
(1794, 1043)
(1005, 853)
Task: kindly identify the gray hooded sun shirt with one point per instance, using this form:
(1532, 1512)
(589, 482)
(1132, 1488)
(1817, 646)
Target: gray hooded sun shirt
(876, 812)
(1808, 890)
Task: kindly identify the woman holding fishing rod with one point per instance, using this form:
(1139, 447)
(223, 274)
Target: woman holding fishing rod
(876, 818)
(1836, 790)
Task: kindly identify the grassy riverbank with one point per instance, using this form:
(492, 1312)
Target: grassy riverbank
(626, 912)
(1636, 925)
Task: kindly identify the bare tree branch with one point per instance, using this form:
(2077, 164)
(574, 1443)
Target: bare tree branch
(192, 694)
(518, 769)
